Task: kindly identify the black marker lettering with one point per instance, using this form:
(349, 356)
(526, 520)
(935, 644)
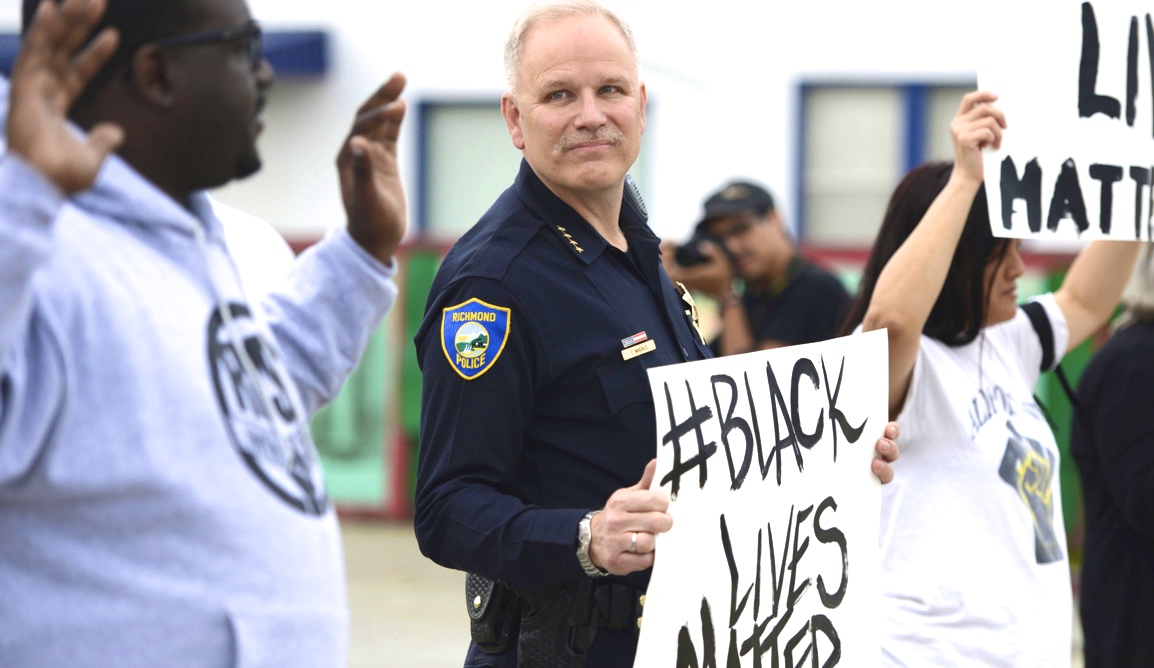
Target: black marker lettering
(1142, 180)
(1027, 188)
(729, 423)
(697, 417)
(777, 401)
(1067, 200)
(735, 608)
(1089, 101)
(1108, 175)
(852, 434)
(804, 367)
(832, 535)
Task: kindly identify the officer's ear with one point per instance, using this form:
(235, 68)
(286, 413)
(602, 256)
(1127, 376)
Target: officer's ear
(513, 120)
(644, 100)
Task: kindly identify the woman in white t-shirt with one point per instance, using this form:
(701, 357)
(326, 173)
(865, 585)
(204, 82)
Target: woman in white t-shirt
(974, 567)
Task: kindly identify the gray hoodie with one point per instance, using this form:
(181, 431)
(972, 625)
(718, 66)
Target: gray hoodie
(161, 501)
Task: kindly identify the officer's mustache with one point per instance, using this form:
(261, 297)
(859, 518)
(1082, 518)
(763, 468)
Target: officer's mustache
(604, 132)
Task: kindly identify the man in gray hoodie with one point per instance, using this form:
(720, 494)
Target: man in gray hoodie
(161, 501)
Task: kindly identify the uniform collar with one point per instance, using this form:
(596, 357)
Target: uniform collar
(583, 241)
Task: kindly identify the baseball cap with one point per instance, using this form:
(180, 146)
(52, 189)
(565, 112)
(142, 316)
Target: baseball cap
(736, 197)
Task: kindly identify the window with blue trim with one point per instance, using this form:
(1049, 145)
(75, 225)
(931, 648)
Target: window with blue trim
(466, 160)
(857, 141)
(292, 53)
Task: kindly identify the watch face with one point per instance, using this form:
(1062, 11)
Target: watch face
(584, 535)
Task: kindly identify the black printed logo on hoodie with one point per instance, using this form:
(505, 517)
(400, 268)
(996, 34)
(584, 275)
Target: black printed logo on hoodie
(267, 427)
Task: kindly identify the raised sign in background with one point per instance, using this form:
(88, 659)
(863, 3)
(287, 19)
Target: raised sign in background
(1076, 80)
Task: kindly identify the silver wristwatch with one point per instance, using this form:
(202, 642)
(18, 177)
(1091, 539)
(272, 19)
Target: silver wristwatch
(584, 538)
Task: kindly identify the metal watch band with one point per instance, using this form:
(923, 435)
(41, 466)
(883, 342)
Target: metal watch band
(584, 538)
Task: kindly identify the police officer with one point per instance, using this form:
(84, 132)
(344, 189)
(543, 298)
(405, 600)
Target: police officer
(540, 325)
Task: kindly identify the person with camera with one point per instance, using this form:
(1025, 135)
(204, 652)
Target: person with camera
(783, 299)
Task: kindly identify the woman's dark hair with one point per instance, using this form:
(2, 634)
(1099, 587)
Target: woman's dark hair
(138, 22)
(960, 309)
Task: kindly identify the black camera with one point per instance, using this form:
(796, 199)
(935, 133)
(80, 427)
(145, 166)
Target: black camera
(689, 253)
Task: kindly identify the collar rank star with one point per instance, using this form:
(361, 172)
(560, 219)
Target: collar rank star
(473, 335)
(635, 345)
(569, 237)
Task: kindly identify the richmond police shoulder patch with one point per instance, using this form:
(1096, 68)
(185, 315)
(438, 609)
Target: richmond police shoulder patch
(473, 335)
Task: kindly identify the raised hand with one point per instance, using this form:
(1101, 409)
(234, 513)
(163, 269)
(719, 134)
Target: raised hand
(624, 533)
(371, 187)
(51, 71)
(978, 124)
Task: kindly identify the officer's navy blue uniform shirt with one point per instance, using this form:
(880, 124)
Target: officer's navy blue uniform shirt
(515, 449)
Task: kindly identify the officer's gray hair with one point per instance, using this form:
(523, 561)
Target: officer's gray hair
(1138, 298)
(546, 11)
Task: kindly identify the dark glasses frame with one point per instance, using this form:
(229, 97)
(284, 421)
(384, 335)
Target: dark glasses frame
(250, 32)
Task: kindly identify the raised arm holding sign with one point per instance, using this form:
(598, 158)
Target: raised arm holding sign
(974, 569)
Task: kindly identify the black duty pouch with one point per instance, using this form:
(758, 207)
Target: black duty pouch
(494, 613)
(558, 627)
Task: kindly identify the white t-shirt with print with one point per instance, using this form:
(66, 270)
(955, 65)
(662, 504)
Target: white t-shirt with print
(974, 564)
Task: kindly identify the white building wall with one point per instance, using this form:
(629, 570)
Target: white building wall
(722, 78)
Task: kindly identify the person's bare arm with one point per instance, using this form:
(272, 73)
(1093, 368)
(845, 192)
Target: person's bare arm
(1093, 286)
(908, 286)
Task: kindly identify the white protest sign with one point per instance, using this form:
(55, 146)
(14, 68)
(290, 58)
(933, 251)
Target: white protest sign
(773, 555)
(1075, 81)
